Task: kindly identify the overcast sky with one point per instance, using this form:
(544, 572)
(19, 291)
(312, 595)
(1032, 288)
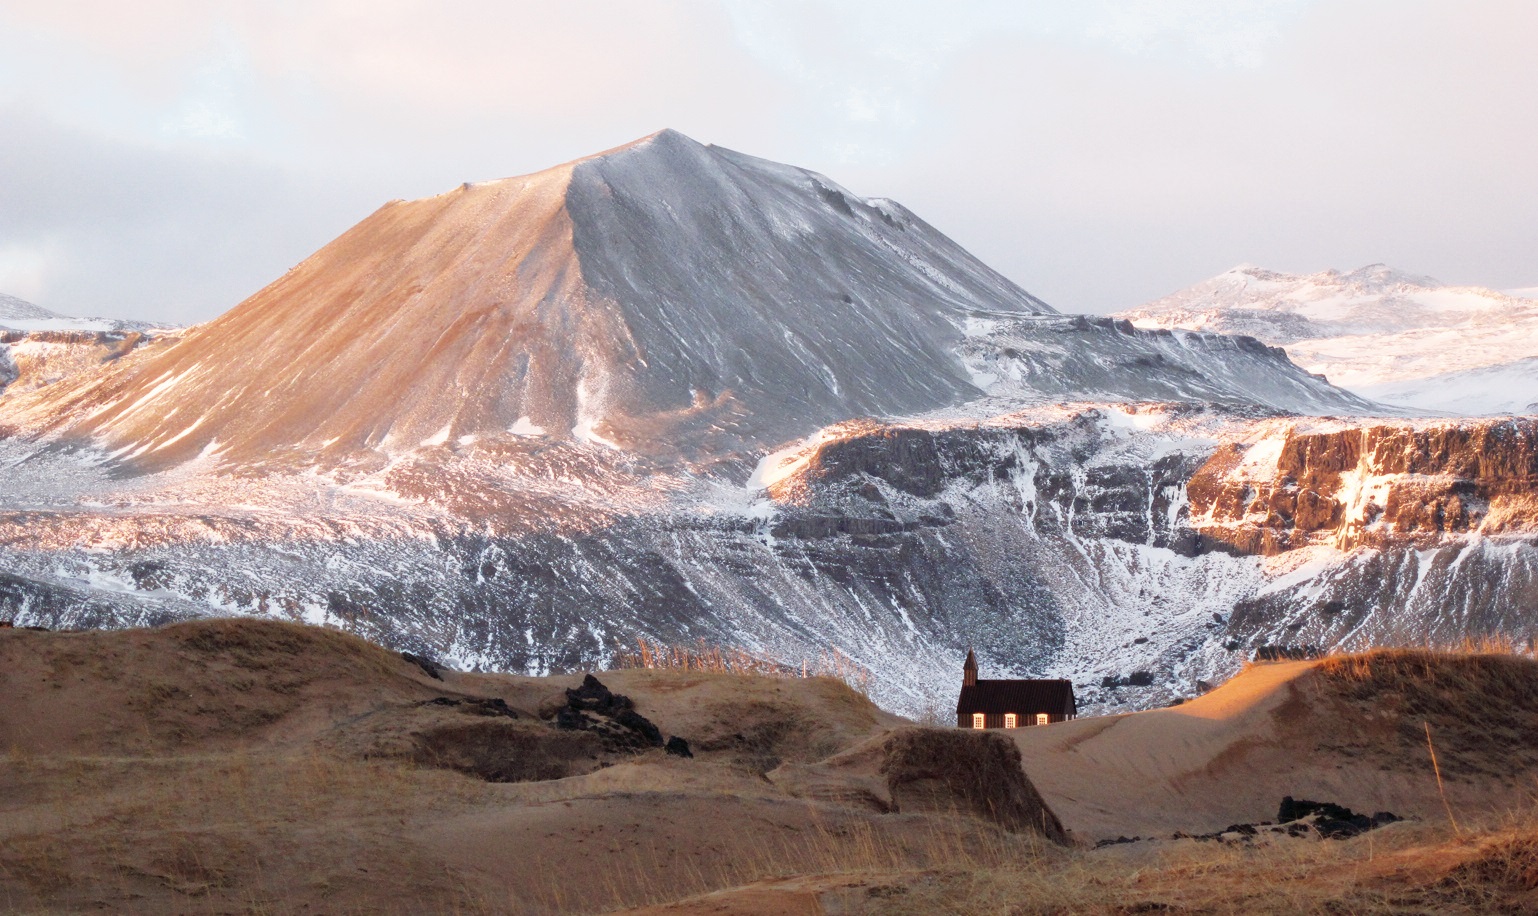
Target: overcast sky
(166, 159)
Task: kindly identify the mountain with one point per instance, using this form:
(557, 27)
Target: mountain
(664, 298)
(21, 315)
(1395, 338)
(676, 392)
(14, 309)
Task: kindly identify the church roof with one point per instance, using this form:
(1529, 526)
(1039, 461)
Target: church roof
(1026, 697)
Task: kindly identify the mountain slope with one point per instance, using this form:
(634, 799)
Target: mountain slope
(1400, 339)
(1054, 359)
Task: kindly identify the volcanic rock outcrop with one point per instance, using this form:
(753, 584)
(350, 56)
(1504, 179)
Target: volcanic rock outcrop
(1370, 485)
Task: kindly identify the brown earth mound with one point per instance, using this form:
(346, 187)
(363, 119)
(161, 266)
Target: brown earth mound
(206, 685)
(930, 770)
(250, 684)
(1481, 710)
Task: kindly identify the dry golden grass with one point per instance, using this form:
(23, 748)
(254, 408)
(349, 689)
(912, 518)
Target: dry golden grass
(1405, 869)
(212, 833)
(896, 845)
(1479, 709)
(703, 656)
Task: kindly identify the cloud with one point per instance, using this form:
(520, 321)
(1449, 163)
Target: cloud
(173, 156)
(871, 71)
(92, 225)
(212, 107)
(25, 268)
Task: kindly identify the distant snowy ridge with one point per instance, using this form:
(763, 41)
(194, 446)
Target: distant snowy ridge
(21, 315)
(1394, 337)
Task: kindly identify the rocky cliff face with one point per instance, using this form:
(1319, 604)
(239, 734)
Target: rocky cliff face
(1375, 485)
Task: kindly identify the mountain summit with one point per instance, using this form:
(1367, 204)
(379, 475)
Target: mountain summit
(665, 297)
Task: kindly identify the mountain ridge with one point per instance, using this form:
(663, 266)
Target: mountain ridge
(1406, 340)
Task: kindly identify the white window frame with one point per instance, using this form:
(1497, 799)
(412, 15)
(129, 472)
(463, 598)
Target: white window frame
(979, 720)
(1043, 719)
(1011, 720)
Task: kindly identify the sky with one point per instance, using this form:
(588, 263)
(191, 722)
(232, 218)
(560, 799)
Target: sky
(164, 160)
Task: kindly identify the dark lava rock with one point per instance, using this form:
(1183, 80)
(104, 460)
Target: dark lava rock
(1332, 821)
(641, 725)
(1293, 810)
(615, 719)
(593, 696)
(572, 719)
(1301, 818)
(678, 747)
(430, 667)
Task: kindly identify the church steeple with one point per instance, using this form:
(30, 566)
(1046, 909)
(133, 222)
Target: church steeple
(969, 671)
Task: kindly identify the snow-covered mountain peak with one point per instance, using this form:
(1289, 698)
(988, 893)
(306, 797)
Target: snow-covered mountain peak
(1383, 277)
(14, 309)
(664, 297)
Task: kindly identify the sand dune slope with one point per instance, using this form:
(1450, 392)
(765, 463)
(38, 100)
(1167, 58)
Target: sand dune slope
(1349, 730)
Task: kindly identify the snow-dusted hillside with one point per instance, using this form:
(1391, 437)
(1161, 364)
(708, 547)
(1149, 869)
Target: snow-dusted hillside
(1392, 337)
(1141, 550)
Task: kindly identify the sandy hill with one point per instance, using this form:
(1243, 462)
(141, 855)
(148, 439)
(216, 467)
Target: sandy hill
(1348, 729)
(662, 296)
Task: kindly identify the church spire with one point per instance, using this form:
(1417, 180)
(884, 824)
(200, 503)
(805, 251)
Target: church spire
(969, 670)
